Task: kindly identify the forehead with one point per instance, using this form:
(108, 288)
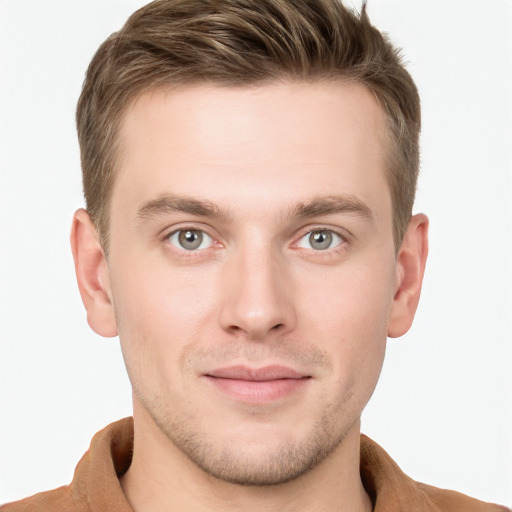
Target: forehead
(235, 144)
(320, 105)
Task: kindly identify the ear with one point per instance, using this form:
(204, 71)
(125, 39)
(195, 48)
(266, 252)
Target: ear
(410, 267)
(92, 275)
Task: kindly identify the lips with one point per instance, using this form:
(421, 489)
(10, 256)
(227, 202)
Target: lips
(257, 385)
(266, 373)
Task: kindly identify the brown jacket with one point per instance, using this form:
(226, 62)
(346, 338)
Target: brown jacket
(95, 486)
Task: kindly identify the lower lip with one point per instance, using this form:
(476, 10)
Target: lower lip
(258, 391)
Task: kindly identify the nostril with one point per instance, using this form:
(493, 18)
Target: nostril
(277, 326)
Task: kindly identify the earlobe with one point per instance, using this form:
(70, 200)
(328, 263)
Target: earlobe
(92, 275)
(410, 267)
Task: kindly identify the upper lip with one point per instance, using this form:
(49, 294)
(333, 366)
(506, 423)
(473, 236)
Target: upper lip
(273, 372)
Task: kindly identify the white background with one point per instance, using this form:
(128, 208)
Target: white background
(443, 405)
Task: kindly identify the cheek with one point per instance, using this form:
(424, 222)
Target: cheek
(160, 315)
(350, 315)
(354, 301)
(162, 300)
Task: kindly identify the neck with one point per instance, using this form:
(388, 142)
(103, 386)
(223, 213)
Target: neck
(162, 478)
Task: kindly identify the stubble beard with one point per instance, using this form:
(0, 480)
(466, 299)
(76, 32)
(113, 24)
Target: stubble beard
(267, 460)
(270, 466)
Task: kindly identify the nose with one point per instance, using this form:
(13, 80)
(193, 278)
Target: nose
(257, 295)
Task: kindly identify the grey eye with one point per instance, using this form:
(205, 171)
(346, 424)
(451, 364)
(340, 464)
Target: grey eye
(190, 239)
(320, 240)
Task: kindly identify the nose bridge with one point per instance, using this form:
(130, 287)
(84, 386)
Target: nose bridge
(256, 291)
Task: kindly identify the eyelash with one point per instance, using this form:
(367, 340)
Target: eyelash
(322, 229)
(195, 252)
(189, 252)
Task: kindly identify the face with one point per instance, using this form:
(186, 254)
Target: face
(252, 270)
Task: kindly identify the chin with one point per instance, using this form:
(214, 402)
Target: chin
(272, 457)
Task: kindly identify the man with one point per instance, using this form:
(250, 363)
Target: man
(249, 173)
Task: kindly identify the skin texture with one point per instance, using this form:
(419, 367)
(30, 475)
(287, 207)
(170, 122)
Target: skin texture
(251, 357)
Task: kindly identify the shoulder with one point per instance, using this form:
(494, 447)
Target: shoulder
(58, 500)
(95, 483)
(453, 501)
(391, 489)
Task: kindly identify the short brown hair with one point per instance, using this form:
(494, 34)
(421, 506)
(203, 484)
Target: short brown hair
(236, 43)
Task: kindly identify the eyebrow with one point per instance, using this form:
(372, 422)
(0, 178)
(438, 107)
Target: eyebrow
(170, 203)
(325, 205)
(330, 205)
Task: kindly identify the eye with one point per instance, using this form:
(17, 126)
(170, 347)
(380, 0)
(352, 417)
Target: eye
(190, 239)
(320, 240)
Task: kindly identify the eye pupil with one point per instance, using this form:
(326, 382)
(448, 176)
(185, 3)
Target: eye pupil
(190, 239)
(320, 240)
